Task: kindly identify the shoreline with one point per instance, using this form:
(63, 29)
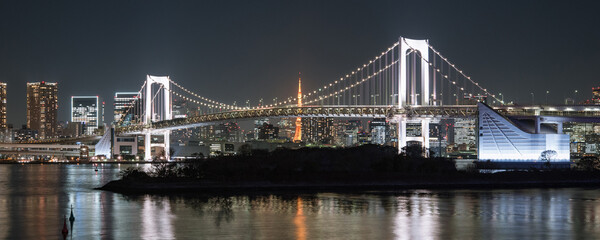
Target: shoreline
(217, 187)
(108, 162)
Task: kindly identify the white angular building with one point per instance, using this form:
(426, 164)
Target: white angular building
(501, 141)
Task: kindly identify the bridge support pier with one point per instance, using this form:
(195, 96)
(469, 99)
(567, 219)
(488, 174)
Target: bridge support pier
(167, 144)
(425, 135)
(147, 147)
(403, 139)
(401, 133)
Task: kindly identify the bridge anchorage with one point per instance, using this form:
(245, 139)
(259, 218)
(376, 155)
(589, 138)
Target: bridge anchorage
(410, 84)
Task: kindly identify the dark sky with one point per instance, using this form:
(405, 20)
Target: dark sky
(237, 50)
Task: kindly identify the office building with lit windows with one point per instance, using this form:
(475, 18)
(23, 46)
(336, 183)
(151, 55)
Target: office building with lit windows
(87, 110)
(3, 106)
(122, 102)
(42, 108)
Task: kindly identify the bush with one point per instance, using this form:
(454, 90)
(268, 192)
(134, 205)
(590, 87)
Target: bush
(134, 173)
(588, 164)
(164, 170)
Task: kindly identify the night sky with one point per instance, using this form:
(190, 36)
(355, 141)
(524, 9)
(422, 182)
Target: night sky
(238, 50)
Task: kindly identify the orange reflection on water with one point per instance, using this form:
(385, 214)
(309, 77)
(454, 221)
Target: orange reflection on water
(300, 221)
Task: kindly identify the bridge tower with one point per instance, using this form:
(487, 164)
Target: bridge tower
(151, 113)
(410, 97)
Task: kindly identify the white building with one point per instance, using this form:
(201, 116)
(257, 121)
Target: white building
(502, 141)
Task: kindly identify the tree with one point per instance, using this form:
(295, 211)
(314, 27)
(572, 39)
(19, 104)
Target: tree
(245, 150)
(589, 163)
(547, 157)
(413, 151)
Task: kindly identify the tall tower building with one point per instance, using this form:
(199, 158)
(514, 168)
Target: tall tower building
(42, 106)
(298, 132)
(3, 106)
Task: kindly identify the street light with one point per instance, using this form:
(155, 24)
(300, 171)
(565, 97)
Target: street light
(355, 99)
(502, 97)
(547, 92)
(374, 100)
(532, 99)
(575, 97)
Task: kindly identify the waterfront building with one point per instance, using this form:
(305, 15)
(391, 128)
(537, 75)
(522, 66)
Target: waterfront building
(122, 102)
(125, 145)
(509, 145)
(88, 110)
(42, 108)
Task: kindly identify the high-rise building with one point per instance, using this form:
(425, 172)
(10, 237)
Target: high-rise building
(42, 108)
(88, 110)
(318, 130)
(3, 106)
(596, 95)
(267, 132)
(378, 128)
(122, 102)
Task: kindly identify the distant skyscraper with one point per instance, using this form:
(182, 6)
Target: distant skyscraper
(3, 106)
(42, 106)
(596, 96)
(378, 129)
(88, 111)
(122, 101)
(318, 130)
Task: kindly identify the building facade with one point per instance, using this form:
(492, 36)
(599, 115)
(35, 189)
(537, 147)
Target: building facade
(42, 108)
(122, 102)
(379, 131)
(87, 110)
(502, 142)
(318, 130)
(3, 106)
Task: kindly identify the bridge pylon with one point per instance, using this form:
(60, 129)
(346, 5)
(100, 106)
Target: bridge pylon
(164, 112)
(409, 94)
(406, 97)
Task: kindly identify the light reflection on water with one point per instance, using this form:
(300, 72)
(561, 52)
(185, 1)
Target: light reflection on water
(35, 198)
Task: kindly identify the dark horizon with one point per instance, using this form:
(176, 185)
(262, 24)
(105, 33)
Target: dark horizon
(237, 50)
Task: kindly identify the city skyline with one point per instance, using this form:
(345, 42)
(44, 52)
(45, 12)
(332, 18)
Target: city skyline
(95, 49)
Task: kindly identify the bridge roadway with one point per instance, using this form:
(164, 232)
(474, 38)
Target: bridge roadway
(365, 111)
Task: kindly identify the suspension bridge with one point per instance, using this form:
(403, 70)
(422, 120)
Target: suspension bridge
(410, 82)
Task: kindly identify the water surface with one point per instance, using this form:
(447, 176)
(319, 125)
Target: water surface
(35, 198)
